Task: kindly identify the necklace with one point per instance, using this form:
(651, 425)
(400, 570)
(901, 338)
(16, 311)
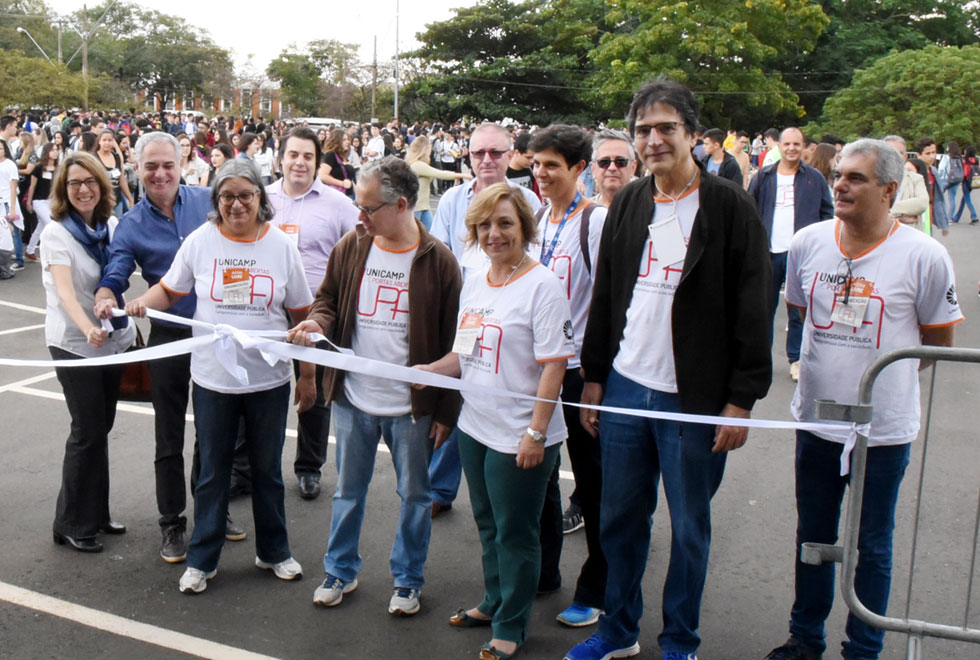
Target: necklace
(686, 188)
(513, 270)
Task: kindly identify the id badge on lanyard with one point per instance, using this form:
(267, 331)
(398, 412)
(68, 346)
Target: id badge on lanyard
(851, 306)
(468, 333)
(292, 231)
(668, 241)
(237, 289)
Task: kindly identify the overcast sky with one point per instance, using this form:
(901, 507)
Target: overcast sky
(264, 29)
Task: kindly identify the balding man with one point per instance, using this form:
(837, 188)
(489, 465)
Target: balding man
(790, 195)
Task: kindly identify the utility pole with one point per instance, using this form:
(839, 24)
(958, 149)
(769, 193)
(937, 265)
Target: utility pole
(59, 42)
(374, 81)
(396, 58)
(85, 55)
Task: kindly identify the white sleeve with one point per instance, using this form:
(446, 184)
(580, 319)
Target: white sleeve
(795, 295)
(298, 294)
(55, 248)
(936, 303)
(554, 337)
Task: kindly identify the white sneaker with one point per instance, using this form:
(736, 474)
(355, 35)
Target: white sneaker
(194, 581)
(287, 569)
(404, 602)
(331, 592)
(794, 371)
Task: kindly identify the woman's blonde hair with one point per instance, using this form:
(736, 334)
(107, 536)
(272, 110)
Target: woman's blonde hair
(485, 203)
(60, 206)
(418, 150)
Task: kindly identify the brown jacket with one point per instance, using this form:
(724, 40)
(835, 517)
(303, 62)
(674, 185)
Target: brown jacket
(433, 301)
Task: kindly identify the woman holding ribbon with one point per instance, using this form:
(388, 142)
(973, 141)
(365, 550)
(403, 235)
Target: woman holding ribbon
(74, 252)
(252, 279)
(514, 333)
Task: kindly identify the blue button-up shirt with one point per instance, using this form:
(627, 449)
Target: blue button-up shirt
(149, 239)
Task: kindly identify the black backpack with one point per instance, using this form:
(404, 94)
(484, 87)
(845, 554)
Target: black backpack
(955, 170)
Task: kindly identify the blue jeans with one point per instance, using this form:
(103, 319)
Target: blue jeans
(951, 196)
(425, 217)
(794, 336)
(819, 492)
(357, 444)
(216, 417)
(445, 470)
(635, 453)
(966, 201)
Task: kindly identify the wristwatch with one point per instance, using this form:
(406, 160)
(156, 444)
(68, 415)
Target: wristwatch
(537, 436)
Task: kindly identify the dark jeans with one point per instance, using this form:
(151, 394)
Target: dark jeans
(819, 492)
(216, 418)
(794, 336)
(313, 431)
(636, 454)
(585, 454)
(551, 534)
(169, 382)
(91, 394)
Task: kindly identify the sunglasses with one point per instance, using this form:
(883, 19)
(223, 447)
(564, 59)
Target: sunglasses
(604, 163)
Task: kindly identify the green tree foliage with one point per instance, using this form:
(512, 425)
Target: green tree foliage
(527, 60)
(931, 91)
(719, 48)
(323, 78)
(31, 82)
(861, 31)
(299, 80)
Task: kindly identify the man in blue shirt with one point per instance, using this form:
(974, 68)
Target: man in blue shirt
(149, 236)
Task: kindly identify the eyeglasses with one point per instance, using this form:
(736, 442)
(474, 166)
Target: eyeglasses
(227, 199)
(369, 212)
(844, 272)
(664, 129)
(483, 153)
(604, 163)
(91, 183)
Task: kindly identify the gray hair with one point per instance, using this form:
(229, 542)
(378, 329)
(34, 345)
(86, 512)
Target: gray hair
(611, 134)
(240, 168)
(489, 125)
(396, 178)
(900, 140)
(156, 136)
(889, 164)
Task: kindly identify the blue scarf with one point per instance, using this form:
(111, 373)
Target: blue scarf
(96, 243)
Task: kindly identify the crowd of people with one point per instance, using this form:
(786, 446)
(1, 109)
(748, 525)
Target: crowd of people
(637, 269)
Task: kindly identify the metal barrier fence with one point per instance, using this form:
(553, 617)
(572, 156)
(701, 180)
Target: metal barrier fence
(847, 554)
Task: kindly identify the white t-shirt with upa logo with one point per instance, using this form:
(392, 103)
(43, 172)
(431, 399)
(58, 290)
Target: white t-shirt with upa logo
(910, 284)
(267, 275)
(524, 324)
(381, 331)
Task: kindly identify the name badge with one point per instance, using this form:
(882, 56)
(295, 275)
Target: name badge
(668, 241)
(853, 312)
(237, 286)
(114, 172)
(292, 231)
(47, 175)
(468, 333)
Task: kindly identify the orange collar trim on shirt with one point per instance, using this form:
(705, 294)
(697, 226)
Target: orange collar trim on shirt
(837, 233)
(409, 249)
(497, 286)
(667, 200)
(578, 210)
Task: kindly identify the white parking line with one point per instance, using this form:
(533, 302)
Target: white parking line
(24, 308)
(28, 381)
(123, 627)
(145, 410)
(24, 329)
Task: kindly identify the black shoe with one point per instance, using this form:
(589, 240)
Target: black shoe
(239, 488)
(572, 520)
(173, 550)
(439, 507)
(793, 649)
(309, 486)
(113, 527)
(88, 544)
(233, 532)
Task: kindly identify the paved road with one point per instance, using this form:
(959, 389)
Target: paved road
(745, 607)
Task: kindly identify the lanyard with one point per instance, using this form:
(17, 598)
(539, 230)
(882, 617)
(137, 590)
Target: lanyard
(546, 257)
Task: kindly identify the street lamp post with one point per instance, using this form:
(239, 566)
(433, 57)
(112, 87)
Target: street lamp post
(28, 34)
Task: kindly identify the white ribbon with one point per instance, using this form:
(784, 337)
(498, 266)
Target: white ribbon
(273, 350)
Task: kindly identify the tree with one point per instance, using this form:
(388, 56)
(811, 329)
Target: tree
(31, 82)
(861, 31)
(931, 91)
(525, 60)
(720, 49)
(299, 79)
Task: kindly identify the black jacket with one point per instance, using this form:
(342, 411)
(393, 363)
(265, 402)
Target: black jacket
(729, 168)
(721, 316)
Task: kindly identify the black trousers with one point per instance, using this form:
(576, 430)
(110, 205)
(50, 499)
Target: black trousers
(91, 394)
(169, 390)
(313, 432)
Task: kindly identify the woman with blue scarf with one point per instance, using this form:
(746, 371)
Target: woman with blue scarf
(74, 252)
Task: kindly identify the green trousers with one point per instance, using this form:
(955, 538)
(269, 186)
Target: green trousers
(507, 503)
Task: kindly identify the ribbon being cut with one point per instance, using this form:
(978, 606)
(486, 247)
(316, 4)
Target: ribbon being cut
(228, 341)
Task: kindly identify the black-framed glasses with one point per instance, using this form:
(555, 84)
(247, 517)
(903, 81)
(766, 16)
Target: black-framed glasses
(621, 163)
(227, 199)
(369, 212)
(75, 185)
(664, 129)
(844, 271)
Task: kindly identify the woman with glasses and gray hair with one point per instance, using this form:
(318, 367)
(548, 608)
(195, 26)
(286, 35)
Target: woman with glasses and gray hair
(248, 275)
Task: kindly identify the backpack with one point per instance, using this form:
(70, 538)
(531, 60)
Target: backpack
(583, 232)
(956, 173)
